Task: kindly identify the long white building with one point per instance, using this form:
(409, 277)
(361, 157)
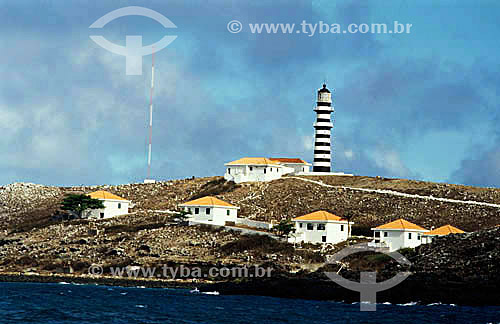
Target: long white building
(323, 126)
(261, 169)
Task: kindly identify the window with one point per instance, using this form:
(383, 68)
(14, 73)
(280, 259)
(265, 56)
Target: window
(228, 212)
(418, 237)
(264, 170)
(251, 168)
(377, 234)
(323, 239)
(101, 215)
(321, 227)
(409, 236)
(119, 205)
(385, 234)
(300, 225)
(341, 228)
(196, 210)
(207, 211)
(310, 227)
(229, 170)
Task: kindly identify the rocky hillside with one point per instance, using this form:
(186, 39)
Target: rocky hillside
(471, 257)
(24, 206)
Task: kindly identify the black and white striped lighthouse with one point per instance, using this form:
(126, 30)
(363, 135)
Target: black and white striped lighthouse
(322, 126)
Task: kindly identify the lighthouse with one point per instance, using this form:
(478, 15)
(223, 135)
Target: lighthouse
(322, 127)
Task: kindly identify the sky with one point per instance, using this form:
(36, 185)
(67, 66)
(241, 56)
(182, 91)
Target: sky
(421, 105)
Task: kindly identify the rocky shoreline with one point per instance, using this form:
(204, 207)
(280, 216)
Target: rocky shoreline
(413, 289)
(99, 280)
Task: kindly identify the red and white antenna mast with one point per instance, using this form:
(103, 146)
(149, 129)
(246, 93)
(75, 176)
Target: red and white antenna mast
(151, 115)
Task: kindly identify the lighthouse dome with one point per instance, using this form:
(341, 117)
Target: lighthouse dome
(324, 89)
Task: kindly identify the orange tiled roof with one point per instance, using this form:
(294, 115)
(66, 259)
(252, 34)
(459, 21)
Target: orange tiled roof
(320, 215)
(207, 201)
(101, 194)
(401, 224)
(289, 160)
(445, 230)
(253, 161)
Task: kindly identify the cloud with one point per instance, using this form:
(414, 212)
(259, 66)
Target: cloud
(480, 170)
(390, 160)
(69, 114)
(349, 154)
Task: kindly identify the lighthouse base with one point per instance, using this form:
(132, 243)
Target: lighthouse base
(323, 174)
(321, 169)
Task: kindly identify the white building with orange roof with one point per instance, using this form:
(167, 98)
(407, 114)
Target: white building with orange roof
(253, 169)
(320, 227)
(440, 231)
(261, 169)
(397, 234)
(113, 205)
(210, 210)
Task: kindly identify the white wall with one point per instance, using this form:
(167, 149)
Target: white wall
(110, 209)
(252, 173)
(295, 168)
(334, 232)
(253, 223)
(218, 215)
(427, 239)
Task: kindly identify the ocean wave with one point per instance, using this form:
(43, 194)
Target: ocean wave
(408, 304)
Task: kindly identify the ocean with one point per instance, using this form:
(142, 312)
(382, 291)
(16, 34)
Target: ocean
(70, 303)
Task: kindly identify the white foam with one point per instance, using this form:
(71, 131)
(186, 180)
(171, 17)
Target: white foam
(408, 304)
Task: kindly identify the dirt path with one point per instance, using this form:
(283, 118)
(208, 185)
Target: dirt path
(400, 194)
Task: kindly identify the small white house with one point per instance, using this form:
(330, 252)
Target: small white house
(397, 234)
(440, 231)
(298, 165)
(113, 205)
(320, 227)
(210, 210)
